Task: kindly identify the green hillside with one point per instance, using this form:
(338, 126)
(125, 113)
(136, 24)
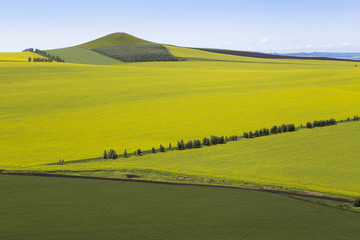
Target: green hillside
(112, 40)
(137, 52)
(113, 49)
(59, 208)
(82, 56)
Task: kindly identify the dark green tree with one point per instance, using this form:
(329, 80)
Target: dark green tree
(189, 144)
(139, 152)
(112, 154)
(197, 143)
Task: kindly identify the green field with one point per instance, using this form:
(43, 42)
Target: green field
(83, 56)
(58, 208)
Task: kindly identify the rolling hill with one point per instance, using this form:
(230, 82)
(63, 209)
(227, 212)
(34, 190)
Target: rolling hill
(113, 49)
(113, 40)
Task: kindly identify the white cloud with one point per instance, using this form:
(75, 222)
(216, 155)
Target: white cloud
(264, 40)
(310, 46)
(225, 44)
(228, 43)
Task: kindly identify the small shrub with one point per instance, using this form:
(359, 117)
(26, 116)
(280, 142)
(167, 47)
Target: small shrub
(357, 202)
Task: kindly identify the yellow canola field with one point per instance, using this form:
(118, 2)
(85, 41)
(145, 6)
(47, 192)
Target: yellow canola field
(51, 111)
(17, 56)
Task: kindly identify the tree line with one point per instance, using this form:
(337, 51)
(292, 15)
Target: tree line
(181, 145)
(38, 59)
(44, 54)
(214, 140)
(274, 130)
(321, 123)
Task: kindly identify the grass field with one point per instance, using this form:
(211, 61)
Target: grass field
(82, 56)
(58, 208)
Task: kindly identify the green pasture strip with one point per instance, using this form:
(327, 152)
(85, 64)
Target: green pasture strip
(59, 208)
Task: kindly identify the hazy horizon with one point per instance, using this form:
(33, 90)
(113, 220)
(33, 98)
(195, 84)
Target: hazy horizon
(263, 26)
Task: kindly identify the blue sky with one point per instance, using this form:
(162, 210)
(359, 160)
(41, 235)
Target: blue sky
(255, 25)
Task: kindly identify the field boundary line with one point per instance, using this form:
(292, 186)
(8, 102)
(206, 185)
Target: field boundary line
(284, 193)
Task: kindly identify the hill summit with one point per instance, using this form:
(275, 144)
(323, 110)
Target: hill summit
(113, 40)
